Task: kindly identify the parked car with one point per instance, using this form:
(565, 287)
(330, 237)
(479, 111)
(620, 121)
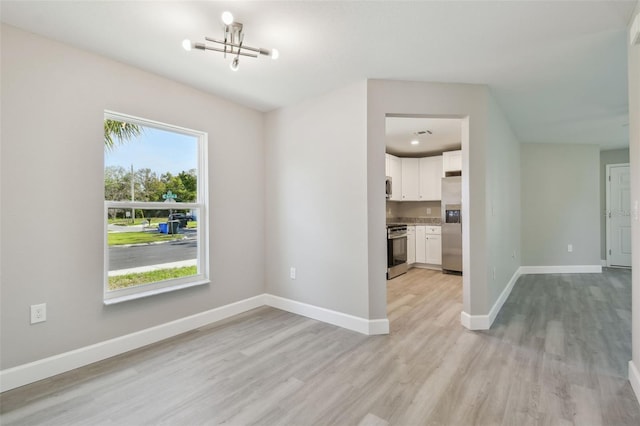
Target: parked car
(181, 217)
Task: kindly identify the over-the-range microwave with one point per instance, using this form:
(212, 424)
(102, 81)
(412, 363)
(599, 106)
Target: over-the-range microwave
(388, 187)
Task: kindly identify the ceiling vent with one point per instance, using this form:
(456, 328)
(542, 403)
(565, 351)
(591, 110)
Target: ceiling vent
(634, 34)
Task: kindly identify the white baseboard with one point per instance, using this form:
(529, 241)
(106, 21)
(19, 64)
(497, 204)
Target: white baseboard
(561, 269)
(465, 320)
(41, 369)
(634, 378)
(484, 322)
(350, 322)
(32, 372)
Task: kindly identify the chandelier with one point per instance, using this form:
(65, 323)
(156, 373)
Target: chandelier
(233, 43)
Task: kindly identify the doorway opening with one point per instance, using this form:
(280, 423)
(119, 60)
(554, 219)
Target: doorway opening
(427, 188)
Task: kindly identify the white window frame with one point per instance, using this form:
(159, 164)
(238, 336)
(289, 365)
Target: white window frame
(202, 277)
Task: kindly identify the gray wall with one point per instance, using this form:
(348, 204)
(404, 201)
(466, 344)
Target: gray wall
(560, 204)
(503, 202)
(325, 210)
(316, 216)
(634, 151)
(614, 156)
(53, 100)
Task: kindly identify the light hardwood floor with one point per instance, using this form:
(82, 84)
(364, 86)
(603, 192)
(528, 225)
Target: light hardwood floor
(556, 355)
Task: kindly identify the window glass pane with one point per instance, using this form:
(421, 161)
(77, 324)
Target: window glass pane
(152, 203)
(150, 245)
(148, 164)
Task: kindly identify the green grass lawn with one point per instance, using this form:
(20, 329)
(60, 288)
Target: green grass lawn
(120, 238)
(154, 222)
(124, 281)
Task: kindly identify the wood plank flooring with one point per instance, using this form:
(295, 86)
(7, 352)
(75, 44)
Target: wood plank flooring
(556, 355)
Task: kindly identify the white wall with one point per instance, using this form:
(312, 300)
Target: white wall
(634, 154)
(560, 204)
(316, 215)
(53, 99)
(488, 132)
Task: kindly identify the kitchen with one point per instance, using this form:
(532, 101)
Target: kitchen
(423, 165)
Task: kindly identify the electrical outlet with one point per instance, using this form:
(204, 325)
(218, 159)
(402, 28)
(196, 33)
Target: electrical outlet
(428, 210)
(38, 313)
(570, 248)
(292, 273)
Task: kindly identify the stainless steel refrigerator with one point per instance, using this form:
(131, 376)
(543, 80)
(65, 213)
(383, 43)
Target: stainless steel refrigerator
(452, 224)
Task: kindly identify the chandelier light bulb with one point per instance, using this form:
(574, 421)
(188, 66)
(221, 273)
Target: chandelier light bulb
(415, 142)
(275, 54)
(234, 65)
(186, 44)
(227, 18)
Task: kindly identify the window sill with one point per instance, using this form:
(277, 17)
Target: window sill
(143, 294)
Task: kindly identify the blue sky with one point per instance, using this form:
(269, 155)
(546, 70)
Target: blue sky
(158, 150)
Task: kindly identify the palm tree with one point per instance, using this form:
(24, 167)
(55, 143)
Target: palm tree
(120, 131)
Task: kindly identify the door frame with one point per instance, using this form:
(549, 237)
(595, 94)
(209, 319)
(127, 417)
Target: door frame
(607, 218)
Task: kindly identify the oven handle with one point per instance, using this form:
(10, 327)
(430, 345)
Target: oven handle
(395, 237)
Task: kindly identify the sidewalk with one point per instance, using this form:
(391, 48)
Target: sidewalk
(131, 228)
(148, 268)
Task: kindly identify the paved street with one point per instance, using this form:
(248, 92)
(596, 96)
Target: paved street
(131, 257)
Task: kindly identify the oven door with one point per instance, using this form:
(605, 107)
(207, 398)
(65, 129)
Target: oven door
(396, 251)
(397, 256)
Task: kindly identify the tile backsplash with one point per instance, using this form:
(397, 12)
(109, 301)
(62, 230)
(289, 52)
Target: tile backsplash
(419, 211)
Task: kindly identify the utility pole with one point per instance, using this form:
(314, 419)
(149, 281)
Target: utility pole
(133, 211)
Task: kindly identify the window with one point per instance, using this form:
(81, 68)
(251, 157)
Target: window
(155, 208)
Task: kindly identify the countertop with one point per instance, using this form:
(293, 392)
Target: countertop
(428, 221)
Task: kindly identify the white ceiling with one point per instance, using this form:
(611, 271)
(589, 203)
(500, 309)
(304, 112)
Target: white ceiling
(558, 69)
(400, 131)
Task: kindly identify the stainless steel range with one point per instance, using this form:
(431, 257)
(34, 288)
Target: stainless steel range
(396, 250)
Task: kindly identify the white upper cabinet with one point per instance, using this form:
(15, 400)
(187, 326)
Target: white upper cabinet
(451, 161)
(395, 166)
(415, 179)
(410, 179)
(387, 168)
(430, 178)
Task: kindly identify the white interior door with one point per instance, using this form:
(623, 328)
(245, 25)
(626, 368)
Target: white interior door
(619, 215)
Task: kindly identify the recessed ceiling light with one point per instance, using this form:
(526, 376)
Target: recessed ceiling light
(415, 142)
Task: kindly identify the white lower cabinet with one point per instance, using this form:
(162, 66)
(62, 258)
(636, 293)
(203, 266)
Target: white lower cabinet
(433, 245)
(421, 253)
(411, 244)
(428, 245)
